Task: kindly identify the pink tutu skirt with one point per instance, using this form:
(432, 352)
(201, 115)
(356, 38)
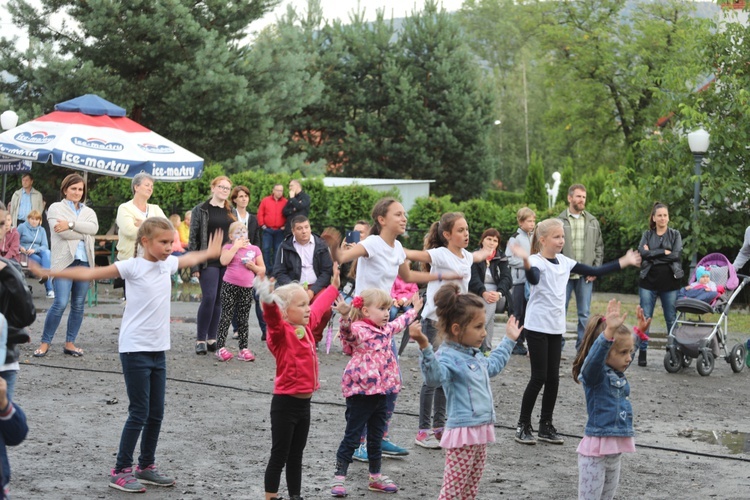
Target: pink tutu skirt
(591, 446)
(458, 437)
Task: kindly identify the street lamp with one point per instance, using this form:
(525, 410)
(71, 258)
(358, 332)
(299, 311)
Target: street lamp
(8, 120)
(698, 142)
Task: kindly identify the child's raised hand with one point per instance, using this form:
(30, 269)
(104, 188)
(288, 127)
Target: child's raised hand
(519, 251)
(214, 244)
(417, 301)
(415, 332)
(512, 330)
(643, 323)
(241, 243)
(631, 258)
(336, 279)
(614, 318)
(342, 307)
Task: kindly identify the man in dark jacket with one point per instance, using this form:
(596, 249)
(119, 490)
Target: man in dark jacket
(297, 204)
(304, 257)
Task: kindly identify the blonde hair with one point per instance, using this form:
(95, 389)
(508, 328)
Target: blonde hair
(286, 292)
(372, 297)
(541, 231)
(524, 213)
(34, 214)
(150, 228)
(175, 220)
(234, 226)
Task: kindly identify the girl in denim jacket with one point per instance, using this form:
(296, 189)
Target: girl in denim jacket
(369, 377)
(464, 372)
(606, 352)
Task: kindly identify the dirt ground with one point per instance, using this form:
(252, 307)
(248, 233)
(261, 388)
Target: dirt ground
(216, 435)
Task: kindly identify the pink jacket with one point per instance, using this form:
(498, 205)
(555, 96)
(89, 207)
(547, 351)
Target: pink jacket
(373, 368)
(403, 290)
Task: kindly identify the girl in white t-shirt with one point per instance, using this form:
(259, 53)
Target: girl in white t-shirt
(445, 253)
(547, 271)
(380, 257)
(144, 340)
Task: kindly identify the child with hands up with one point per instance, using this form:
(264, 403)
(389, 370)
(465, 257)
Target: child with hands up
(464, 372)
(369, 377)
(606, 352)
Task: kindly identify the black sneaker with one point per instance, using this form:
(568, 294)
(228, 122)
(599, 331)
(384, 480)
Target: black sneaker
(524, 434)
(548, 433)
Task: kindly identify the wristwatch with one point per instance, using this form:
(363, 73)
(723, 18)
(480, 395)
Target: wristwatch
(71, 224)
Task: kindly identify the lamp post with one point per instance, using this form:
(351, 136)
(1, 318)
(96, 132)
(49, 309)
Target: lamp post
(698, 142)
(8, 120)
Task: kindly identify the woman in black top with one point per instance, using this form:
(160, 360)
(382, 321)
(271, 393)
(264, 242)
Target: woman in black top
(661, 269)
(208, 217)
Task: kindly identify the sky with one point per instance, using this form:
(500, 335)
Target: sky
(332, 9)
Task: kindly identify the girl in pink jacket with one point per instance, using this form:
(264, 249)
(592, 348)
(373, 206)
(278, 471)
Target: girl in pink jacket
(369, 376)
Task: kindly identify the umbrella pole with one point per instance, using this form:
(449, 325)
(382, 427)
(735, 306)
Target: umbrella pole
(85, 183)
(5, 181)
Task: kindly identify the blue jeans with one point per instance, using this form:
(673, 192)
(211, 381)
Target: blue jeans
(146, 381)
(42, 257)
(66, 291)
(583, 290)
(648, 302)
(272, 238)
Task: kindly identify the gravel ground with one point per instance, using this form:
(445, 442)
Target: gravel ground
(216, 434)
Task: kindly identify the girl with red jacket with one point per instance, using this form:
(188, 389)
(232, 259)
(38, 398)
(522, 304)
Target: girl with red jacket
(291, 319)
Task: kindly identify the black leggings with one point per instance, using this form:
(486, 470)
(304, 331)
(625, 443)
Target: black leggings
(290, 423)
(544, 357)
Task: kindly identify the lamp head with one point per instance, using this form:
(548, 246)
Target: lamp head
(8, 120)
(698, 141)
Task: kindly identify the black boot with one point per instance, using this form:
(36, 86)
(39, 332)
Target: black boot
(642, 357)
(548, 433)
(524, 434)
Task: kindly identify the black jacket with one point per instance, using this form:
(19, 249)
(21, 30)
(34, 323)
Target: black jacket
(298, 205)
(198, 239)
(672, 241)
(17, 306)
(500, 271)
(288, 265)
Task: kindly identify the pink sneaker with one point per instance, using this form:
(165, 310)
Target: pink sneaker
(246, 355)
(223, 354)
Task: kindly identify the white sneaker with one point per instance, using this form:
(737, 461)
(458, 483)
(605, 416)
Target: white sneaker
(426, 439)
(51, 294)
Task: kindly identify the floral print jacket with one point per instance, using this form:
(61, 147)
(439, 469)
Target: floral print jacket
(373, 368)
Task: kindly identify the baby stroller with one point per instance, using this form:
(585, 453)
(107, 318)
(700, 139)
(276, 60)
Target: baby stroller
(691, 337)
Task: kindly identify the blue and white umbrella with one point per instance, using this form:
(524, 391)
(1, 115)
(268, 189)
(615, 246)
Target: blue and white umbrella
(91, 134)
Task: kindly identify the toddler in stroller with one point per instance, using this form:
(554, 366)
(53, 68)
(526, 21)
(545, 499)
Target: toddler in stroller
(693, 338)
(703, 288)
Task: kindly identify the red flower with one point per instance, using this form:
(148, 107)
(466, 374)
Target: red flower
(358, 302)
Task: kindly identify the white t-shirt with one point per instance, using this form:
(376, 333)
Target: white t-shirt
(545, 312)
(380, 268)
(145, 322)
(445, 261)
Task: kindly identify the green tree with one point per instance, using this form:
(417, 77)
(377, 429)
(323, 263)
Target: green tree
(535, 192)
(177, 66)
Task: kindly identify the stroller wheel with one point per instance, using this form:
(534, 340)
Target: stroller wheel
(705, 363)
(672, 360)
(737, 358)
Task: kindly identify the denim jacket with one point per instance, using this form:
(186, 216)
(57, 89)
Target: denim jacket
(607, 394)
(464, 373)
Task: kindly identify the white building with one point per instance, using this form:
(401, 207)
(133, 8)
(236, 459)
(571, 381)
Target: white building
(410, 189)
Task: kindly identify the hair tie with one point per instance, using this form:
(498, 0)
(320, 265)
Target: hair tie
(358, 302)
(601, 320)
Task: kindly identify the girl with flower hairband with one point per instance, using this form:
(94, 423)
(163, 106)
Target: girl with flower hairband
(369, 377)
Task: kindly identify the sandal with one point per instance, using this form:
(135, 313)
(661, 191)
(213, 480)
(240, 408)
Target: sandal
(40, 354)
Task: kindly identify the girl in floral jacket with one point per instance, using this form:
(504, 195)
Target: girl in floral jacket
(369, 376)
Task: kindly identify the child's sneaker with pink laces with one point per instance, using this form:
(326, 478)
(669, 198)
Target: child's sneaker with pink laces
(382, 484)
(337, 487)
(426, 439)
(125, 481)
(246, 355)
(223, 354)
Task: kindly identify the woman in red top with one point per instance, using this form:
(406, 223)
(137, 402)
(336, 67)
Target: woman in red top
(291, 319)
